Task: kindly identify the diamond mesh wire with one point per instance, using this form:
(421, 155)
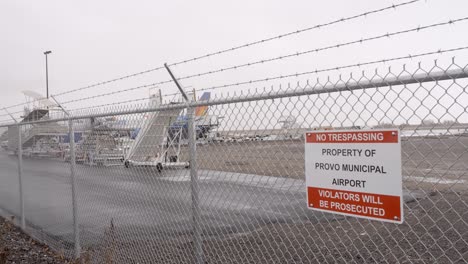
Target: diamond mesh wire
(46, 185)
(134, 184)
(10, 205)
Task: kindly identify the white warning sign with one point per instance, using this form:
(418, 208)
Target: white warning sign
(355, 172)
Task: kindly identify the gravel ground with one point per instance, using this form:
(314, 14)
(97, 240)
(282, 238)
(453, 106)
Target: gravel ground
(17, 247)
(435, 231)
(428, 235)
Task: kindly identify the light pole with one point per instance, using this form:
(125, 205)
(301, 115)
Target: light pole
(47, 73)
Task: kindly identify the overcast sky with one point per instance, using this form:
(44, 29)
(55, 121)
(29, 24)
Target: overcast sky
(93, 41)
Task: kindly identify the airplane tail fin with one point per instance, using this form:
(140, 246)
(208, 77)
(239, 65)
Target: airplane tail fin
(203, 110)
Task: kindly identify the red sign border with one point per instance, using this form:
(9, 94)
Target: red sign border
(400, 216)
(398, 141)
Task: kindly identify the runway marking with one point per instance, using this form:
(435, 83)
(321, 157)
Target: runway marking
(284, 183)
(434, 180)
(185, 178)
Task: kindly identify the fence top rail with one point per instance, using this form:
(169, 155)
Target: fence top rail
(328, 87)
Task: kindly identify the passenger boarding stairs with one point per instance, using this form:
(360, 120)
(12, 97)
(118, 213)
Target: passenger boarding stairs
(34, 115)
(37, 131)
(149, 144)
(153, 144)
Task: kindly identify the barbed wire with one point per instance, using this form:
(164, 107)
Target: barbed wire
(21, 104)
(360, 41)
(252, 63)
(318, 26)
(110, 81)
(99, 95)
(12, 113)
(6, 121)
(316, 71)
(122, 102)
(152, 85)
(89, 86)
(440, 51)
(111, 104)
(250, 44)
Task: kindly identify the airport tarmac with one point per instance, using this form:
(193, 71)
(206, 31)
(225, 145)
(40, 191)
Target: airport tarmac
(144, 205)
(151, 213)
(427, 162)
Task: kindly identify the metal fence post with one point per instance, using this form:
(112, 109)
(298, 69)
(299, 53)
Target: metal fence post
(76, 230)
(198, 243)
(20, 178)
(197, 239)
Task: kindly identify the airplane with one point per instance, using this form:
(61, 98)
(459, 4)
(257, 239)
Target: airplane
(204, 123)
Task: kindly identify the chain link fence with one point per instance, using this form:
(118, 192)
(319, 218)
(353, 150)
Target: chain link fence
(222, 180)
